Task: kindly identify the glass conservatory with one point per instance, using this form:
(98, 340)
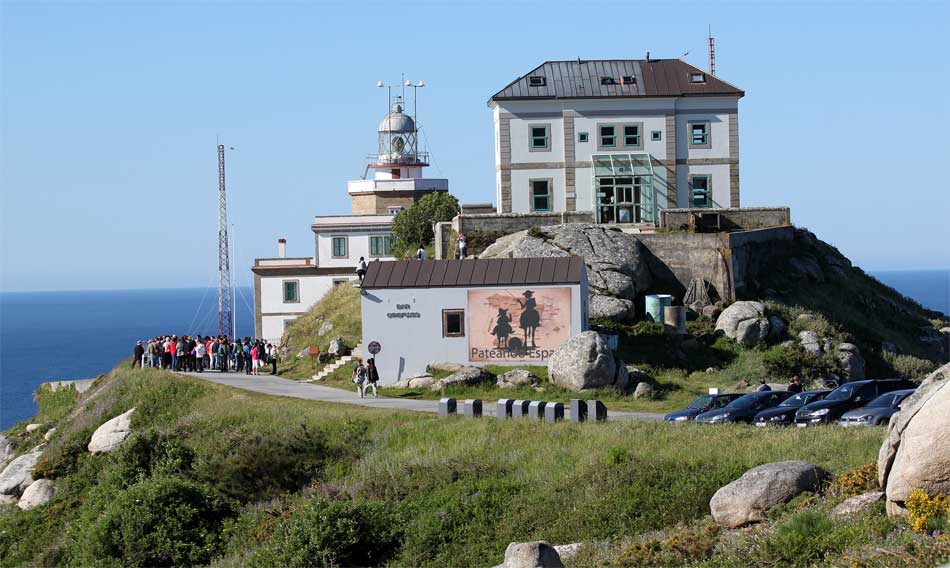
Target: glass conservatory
(624, 188)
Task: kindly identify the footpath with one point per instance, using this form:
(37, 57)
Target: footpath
(269, 384)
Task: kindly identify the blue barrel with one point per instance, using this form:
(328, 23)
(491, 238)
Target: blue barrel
(655, 304)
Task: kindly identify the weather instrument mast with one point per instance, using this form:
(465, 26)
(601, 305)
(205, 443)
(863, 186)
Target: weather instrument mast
(225, 315)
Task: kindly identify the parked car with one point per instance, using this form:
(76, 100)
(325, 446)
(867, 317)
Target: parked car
(846, 397)
(702, 404)
(784, 413)
(876, 412)
(744, 408)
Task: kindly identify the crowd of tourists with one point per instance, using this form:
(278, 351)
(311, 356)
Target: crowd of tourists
(198, 354)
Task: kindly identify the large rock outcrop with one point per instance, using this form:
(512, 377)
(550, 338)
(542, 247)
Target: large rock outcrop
(465, 376)
(749, 498)
(745, 322)
(586, 362)
(617, 270)
(537, 554)
(112, 433)
(851, 362)
(6, 451)
(916, 453)
(18, 475)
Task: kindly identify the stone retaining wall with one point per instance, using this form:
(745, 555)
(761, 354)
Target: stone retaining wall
(507, 223)
(730, 219)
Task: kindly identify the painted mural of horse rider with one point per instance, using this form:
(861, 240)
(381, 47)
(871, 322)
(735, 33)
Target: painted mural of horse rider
(502, 328)
(530, 319)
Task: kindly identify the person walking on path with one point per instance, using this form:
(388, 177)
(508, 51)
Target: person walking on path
(359, 377)
(361, 268)
(138, 355)
(372, 375)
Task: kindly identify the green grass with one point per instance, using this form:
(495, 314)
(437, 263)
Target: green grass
(454, 491)
(341, 308)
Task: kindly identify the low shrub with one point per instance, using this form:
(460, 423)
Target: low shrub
(332, 533)
(856, 481)
(162, 521)
(927, 513)
(804, 539)
(683, 547)
(908, 366)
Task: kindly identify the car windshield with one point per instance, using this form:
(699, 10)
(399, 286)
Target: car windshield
(745, 401)
(797, 400)
(884, 401)
(701, 402)
(843, 392)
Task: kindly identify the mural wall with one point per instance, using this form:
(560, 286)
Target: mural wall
(517, 324)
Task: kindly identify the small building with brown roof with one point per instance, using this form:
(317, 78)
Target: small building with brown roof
(506, 311)
(620, 138)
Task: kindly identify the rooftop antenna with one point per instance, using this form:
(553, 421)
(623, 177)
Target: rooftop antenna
(225, 314)
(712, 53)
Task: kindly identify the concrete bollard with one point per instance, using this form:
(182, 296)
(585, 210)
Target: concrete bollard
(596, 411)
(536, 409)
(472, 408)
(503, 408)
(578, 410)
(519, 409)
(554, 412)
(447, 406)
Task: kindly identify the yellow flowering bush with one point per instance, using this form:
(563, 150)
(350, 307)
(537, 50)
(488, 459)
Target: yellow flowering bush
(858, 480)
(927, 513)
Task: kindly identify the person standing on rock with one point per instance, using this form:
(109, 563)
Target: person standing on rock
(372, 375)
(462, 245)
(359, 376)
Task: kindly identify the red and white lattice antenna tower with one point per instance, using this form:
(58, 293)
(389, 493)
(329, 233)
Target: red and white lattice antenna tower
(712, 53)
(225, 316)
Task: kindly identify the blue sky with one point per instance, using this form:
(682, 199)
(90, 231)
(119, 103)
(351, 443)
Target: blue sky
(110, 112)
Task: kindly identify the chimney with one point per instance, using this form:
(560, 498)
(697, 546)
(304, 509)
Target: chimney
(282, 247)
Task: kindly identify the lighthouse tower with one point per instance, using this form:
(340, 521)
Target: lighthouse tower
(397, 179)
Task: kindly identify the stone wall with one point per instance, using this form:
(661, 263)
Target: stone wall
(730, 219)
(507, 223)
(728, 261)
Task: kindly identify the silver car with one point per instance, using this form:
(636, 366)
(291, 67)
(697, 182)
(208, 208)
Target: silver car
(877, 412)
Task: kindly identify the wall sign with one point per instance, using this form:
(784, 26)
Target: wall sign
(404, 312)
(517, 324)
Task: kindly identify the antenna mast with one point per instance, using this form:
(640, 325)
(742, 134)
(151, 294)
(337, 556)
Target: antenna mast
(712, 53)
(225, 316)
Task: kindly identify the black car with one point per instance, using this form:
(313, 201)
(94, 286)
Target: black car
(877, 412)
(784, 413)
(702, 404)
(846, 397)
(744, 408)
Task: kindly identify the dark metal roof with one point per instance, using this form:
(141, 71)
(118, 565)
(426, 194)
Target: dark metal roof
(582, 80)
(474, 272)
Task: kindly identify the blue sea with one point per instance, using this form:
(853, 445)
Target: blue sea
(73, 335)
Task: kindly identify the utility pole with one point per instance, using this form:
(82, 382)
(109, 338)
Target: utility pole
(225, 315)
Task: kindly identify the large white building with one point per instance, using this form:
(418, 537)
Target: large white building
(619, 138)
(285, 287)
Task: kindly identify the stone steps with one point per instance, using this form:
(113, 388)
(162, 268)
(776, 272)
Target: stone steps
(344, 360)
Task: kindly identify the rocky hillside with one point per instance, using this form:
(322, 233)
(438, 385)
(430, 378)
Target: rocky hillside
(799, 278)
(336, 316)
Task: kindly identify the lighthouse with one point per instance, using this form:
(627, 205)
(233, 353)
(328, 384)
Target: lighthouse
(393, 179)
(397, 179)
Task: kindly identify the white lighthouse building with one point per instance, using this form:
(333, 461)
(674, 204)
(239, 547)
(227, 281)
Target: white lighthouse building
(285, 287)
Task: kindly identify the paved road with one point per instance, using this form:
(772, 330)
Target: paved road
(285, 387)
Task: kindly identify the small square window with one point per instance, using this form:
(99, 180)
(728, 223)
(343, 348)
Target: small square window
(539, 137)
(628, 79)
(540, 195)
(697, 78)
(395, 209)
(699, 134)
(453, 323)
(608, 136)
(656, 135)
(583, 137)
(631, 135)
(608, 81)
(537, 81)
(339, 247)
(291, 291)
(380, 245)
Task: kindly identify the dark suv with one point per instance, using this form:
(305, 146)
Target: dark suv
(846, 397)
(702, 404)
